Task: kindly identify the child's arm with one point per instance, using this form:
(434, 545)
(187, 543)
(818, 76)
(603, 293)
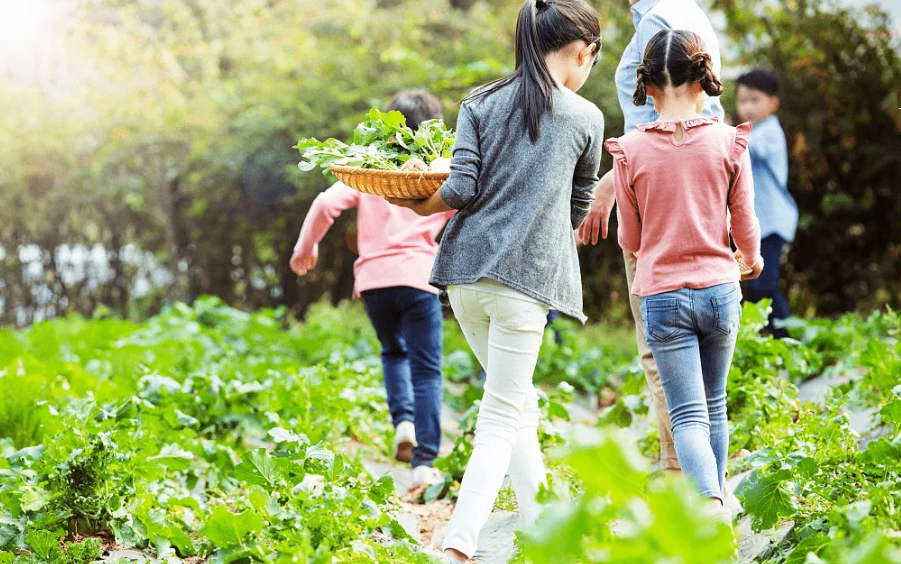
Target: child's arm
(586, 175)
(326, 207)
(627, 213)
(466, 163)
(771, 149)
(430, 206)
(745, 227)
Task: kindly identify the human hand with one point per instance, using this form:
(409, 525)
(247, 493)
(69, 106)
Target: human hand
(598, 219)
(417, 206)
(430, 206)
(749, 272)
(302, 264)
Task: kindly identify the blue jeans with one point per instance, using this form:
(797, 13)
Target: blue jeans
(407, 323)
(692, 334)
(767, 285)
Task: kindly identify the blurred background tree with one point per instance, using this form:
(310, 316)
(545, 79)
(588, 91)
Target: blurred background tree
(840, 73)
(155, 162)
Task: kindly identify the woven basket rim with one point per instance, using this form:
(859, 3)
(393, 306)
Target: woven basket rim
(424, 174)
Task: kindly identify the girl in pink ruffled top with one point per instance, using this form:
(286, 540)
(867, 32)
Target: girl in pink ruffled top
(677, 180)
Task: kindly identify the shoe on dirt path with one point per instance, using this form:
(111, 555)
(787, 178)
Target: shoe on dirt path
(404, 441)
(426, 476)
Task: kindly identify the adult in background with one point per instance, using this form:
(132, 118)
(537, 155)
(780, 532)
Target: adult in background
(397, 251)
(649, 17)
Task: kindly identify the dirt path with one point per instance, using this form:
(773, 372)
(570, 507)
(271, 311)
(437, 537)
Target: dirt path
(428, 522)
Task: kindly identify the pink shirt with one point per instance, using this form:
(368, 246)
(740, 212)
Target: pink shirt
(673, 199)
(397, 247)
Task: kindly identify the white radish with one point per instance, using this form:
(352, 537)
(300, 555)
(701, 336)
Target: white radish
(414, 165)
(440, 165)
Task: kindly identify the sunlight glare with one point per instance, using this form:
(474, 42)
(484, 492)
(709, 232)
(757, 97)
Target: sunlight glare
(24, 26)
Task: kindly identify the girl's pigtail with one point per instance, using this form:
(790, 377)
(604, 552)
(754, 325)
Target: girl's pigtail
(643, 72)
(702, 71)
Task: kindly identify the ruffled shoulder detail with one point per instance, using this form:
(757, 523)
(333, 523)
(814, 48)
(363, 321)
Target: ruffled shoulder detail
(742, 138)
(670, 126)
(614, 148)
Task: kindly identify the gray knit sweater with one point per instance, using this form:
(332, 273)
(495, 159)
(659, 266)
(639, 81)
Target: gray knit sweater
(520, 201)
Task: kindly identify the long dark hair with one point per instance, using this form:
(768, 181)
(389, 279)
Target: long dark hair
(544, 26)
(674, 58)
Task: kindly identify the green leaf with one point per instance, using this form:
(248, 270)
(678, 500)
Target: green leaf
(554, 409)
(174, 457)
(6, 557)
(434, 491)
(185, 419)
(767, 497)
(226, 529)
(612, 467)
(45, 544)
(891, 412)
(880, 451)
(618, 415)
(382, 489)
(233, 554)
(808, 467)
(83, 552)
(814, 544)
(34, 499)
(280, 435)
(397, 531)
(260, 468)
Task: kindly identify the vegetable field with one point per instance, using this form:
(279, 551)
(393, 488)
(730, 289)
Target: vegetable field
(207, 434)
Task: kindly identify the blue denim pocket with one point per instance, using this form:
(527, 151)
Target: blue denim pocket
(727, 312)
(661, 316)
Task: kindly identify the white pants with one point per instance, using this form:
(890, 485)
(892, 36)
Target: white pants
(505, 330)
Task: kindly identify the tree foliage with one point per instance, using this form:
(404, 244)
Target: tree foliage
(163, 144)
(840, 73)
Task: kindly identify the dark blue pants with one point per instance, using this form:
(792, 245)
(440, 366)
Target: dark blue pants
(407, 322)
(767, 285)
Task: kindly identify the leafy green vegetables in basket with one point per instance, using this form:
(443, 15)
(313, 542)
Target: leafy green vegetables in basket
(383, 142)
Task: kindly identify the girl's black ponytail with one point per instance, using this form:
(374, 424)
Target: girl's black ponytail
(543, 26)
(536, 90)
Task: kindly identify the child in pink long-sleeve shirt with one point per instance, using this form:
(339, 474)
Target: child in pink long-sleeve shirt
(676, 181)
(397, 249)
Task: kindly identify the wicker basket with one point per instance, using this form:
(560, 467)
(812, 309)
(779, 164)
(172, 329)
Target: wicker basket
(411, 185)
(745, 270)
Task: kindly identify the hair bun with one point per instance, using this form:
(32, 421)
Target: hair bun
(701, 58)
(644, 69)
(702, 71)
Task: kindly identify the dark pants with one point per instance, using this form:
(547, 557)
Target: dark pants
(767, 285)
(407, 322)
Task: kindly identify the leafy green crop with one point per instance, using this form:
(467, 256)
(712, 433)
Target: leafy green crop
(383, 141)
(211, 433)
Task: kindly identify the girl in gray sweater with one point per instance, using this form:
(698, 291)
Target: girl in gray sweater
(524, 168)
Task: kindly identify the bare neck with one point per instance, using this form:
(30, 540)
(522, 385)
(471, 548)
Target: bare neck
(678, 108)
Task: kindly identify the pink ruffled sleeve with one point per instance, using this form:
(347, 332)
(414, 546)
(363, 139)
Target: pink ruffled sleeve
(745, 227)
(627, 215)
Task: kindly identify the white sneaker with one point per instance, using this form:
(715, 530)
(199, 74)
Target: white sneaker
(404, 441)
(426, 476)
(722, 515)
